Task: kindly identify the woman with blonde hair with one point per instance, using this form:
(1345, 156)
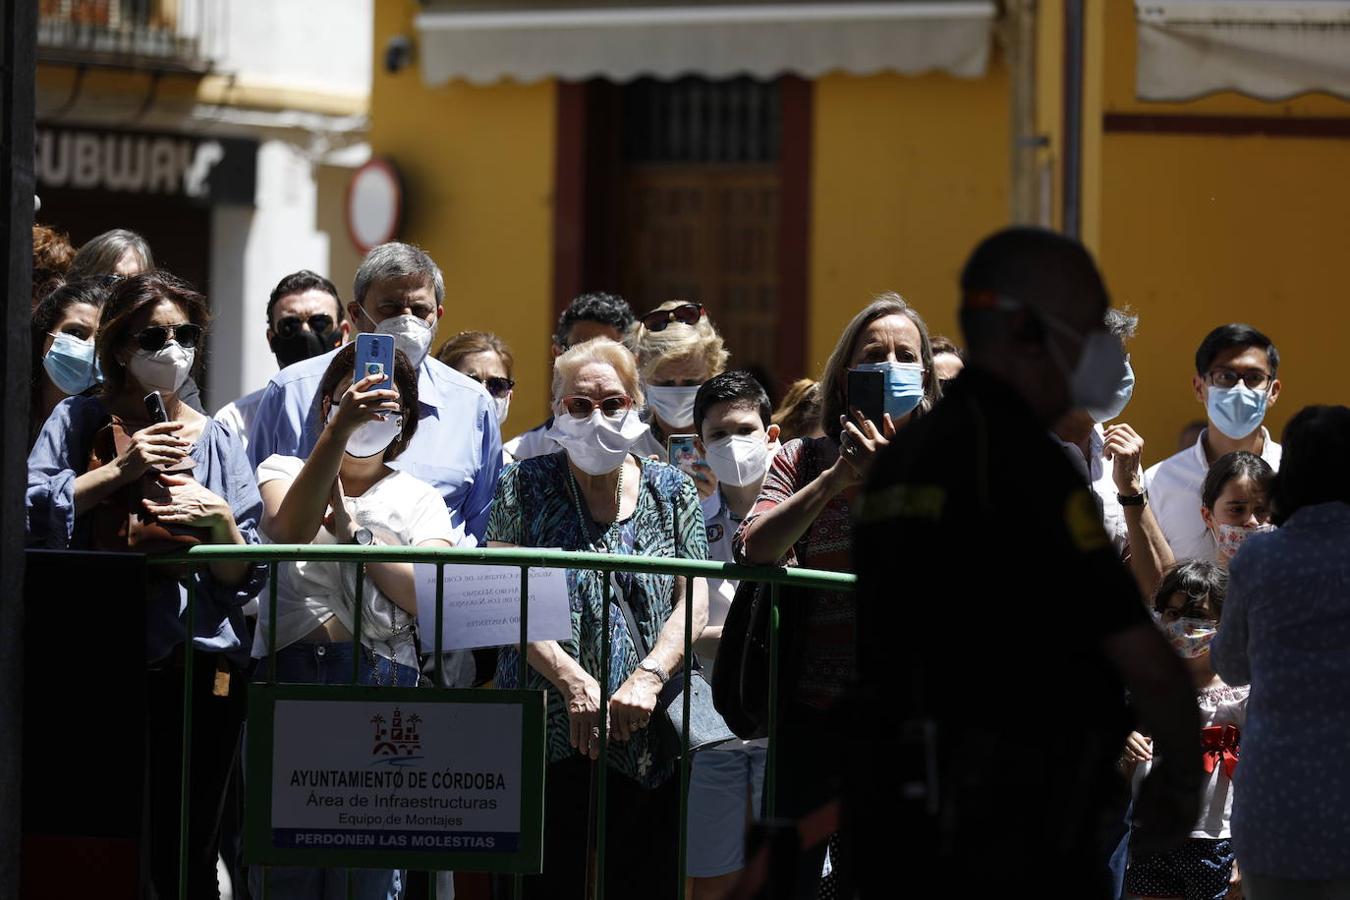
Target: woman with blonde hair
(677, 349)
(803, 517)
(486, 359)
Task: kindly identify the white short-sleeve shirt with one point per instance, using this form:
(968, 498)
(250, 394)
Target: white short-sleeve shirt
(399, 510)
(1174, 487)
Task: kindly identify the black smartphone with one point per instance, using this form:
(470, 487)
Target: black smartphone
(866, 393)
(154, 405)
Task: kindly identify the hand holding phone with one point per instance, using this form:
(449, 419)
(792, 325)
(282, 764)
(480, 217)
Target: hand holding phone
(375, 356)
(154, 407)
(867, 394)
(682, 452)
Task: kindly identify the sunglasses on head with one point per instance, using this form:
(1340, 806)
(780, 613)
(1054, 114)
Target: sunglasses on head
(496, 385)
(685, 314)
(320, 323)
(580, 407)
(156, 336)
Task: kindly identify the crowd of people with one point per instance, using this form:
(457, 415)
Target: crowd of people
(1129, 674)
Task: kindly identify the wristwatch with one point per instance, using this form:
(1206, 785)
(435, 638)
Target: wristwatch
(1139, 499)
(363, 536)
(648, 666)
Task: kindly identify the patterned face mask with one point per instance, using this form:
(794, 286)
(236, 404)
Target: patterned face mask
(1190, 637)
(1229, 538)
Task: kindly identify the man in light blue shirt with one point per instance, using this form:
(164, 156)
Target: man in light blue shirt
(457, 449)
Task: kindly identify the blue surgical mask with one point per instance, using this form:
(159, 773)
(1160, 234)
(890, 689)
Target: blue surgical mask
(1236, 411)
(903, 389)
(72, 365)
(1118, 401)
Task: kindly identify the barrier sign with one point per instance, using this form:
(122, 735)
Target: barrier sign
(395, 778)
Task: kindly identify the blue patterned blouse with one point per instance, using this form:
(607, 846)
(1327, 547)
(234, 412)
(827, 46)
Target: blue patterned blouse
(533, 507)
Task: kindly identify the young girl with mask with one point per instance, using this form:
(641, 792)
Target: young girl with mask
(1188, 606)
(346, 493)
(98, 480)
(1234, 501)
(64, 360)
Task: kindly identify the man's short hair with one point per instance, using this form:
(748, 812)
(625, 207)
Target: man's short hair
(1123, 323)
(398, 260)
(738, 388)
(606, 309)
(943, 344)
(1229, 337)
(298, 283)
(1032, 266)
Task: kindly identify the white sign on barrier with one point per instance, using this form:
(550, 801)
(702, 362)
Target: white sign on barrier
(482, 606)
(397, 776)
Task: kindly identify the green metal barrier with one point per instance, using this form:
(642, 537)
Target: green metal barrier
(524, 559)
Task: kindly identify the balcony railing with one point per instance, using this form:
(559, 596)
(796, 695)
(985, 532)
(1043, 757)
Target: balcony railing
(164, 35)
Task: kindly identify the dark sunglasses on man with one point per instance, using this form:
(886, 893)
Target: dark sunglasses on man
(155, 337)
(685, 314)
(320, 323)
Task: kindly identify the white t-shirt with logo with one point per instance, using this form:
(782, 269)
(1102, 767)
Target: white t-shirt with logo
(399, 510)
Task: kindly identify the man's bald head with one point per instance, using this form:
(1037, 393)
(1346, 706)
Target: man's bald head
(1042, 270)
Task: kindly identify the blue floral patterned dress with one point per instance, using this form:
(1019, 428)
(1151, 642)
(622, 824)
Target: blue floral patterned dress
(534, 507)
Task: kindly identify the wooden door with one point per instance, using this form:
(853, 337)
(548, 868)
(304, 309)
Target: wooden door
(708, 233)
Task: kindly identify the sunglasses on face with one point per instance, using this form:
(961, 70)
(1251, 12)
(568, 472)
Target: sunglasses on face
(320, 323)
(496, 385)
(685, 314)
(156, 336)
(580, 407)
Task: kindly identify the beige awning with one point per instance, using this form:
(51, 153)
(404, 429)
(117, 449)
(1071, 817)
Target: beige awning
(1271, 49)
(622, 42)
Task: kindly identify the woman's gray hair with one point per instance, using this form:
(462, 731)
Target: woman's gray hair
(1123, 323)
(397, 260)
(834, 381)
(100, 255)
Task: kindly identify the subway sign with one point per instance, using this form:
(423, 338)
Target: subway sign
(198, 169)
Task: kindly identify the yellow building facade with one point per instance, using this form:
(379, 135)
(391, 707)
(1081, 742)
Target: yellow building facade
(1193, 228)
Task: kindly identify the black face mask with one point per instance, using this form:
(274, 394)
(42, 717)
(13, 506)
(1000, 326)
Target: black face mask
(302, 345)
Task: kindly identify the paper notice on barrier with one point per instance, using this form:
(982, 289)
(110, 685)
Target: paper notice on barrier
(482, 606)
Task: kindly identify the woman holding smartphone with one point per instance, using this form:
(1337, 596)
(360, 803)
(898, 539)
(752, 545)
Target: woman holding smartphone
(346, 493)
(96, 481)
(803, 517)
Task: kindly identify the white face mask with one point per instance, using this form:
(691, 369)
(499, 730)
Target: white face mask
(739, 459)
(371, 438)
(503, 405)
(1093, 383)
(673, 405)
(411, 334)
(165, 370)
(1229, 538)
(597, 444)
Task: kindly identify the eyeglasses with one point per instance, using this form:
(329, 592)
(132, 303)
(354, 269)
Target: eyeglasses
(320, 323)
(685, 314)
(1254, 379)
(496, 385)
(156, 336)
(580, 407)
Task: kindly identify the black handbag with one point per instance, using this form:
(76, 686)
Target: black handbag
(706, 726)
(740, 682)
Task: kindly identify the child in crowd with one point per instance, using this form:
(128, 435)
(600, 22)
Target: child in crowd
(1234, 501)
(1188, 606)
(737, 440)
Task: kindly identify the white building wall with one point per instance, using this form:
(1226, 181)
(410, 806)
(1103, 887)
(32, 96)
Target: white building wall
(320, 45)
(251, 250)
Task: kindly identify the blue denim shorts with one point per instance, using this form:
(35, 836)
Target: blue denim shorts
(725, 785)
(331, 663)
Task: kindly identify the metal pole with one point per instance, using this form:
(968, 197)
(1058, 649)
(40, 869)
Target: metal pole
(685, 761)
(602, 773)
(189, 672)
(1020, 43)
(518, 880)
(771, 756)
(17, 94)
(1073, 118)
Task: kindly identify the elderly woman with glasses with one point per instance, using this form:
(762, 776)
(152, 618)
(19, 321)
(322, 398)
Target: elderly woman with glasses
(132, 468)
(597, 494)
